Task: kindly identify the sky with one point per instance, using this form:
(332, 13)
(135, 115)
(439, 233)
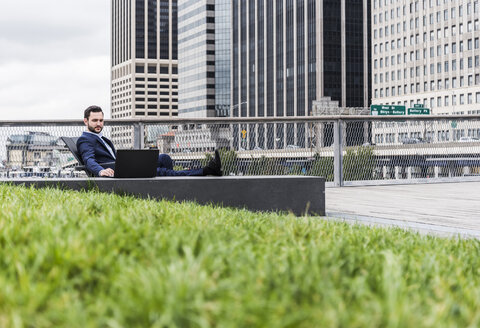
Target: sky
(54, 58)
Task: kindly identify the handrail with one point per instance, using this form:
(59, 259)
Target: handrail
(239, 120)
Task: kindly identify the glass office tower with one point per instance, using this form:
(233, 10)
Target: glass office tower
(204, 58)
(289, 53)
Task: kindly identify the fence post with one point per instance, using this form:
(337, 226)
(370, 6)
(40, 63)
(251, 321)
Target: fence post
(138, 135)
(338, 153)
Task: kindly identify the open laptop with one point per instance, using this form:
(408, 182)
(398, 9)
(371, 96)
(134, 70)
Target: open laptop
(136, 163)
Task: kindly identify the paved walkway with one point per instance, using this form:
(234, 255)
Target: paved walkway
(440, 208)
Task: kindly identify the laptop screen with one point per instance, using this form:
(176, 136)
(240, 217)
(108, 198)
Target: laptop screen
(136, 163)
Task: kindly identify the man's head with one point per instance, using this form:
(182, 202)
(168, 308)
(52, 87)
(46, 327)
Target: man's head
(93, 119)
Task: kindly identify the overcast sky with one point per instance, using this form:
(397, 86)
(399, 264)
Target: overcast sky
(54, 58)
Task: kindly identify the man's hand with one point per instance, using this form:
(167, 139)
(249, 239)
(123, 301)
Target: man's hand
(106, 173)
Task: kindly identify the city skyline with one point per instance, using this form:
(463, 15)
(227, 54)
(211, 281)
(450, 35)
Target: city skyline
(41, 52)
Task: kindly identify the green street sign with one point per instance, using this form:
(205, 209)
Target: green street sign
(419, 111)
(418, 106)
(387, 110)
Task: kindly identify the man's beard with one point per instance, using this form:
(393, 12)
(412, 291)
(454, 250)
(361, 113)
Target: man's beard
(92, 129)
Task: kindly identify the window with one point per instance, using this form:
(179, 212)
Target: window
(462, 99)
(139, 68)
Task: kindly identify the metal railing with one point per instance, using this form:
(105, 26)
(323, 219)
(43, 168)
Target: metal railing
(345, 149)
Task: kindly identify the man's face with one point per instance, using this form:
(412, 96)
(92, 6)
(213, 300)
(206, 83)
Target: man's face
(94, 122)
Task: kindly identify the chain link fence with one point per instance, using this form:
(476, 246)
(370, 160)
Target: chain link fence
(343, 149)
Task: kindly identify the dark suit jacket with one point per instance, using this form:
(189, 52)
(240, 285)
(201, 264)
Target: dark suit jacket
(94, 153)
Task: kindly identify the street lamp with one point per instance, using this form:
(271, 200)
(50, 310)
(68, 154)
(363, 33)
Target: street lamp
(234, 106)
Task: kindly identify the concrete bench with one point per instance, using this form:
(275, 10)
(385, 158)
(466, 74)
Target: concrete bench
(296, 194)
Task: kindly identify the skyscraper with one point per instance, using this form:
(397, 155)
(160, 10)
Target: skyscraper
(288, 53)
(144, 60)
(204, 57)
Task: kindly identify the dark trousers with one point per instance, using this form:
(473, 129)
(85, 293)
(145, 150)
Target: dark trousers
(165, 168)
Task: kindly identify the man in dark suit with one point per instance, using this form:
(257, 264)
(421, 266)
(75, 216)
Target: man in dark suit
(98, 152)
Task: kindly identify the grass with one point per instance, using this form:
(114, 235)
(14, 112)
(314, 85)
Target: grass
(70, 259)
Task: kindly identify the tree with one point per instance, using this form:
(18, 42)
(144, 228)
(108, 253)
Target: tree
(322, 166)
(359, 164)
(265, 166)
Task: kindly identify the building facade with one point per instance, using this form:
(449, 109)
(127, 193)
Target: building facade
(144, 63)
(426, 52)
(287, 54)
(204, 57)
(33, 150)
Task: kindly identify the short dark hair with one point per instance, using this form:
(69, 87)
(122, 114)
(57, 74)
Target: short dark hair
(95, 109)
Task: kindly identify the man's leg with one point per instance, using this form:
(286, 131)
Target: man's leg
(165, 168)
(165, 161)
(163, 172)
